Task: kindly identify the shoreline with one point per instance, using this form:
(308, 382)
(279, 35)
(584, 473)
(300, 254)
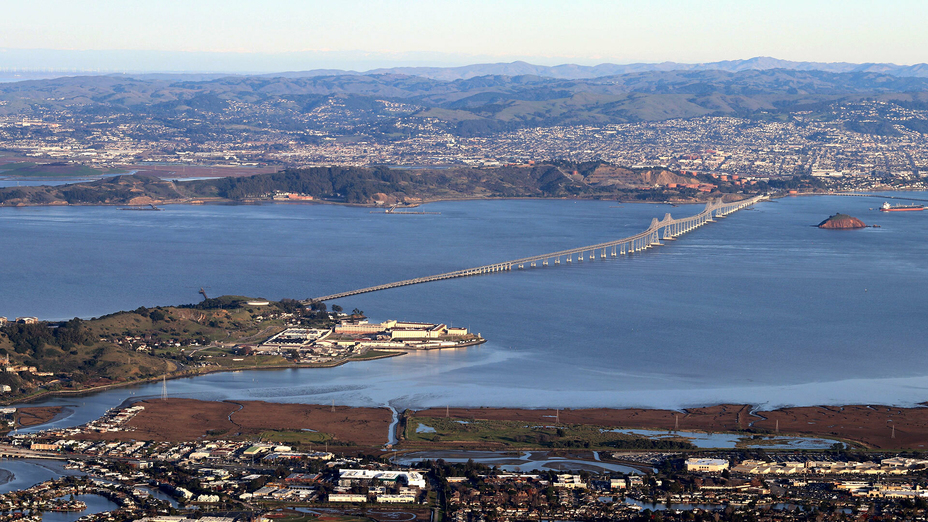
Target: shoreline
(253, 201)
(206, 371)
(222, 201)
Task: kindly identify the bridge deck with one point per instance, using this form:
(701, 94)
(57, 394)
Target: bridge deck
(651, 236)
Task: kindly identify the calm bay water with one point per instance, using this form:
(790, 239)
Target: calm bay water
(761, 307)
(25, 473)
(95, 504)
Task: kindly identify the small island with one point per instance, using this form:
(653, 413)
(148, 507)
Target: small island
(842, 222)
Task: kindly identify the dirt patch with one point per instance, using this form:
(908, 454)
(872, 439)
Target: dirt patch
(26, 417)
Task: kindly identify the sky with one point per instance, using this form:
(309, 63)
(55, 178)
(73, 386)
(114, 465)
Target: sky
(278, 35)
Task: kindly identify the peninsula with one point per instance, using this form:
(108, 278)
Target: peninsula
(220, 334)
(386, 187)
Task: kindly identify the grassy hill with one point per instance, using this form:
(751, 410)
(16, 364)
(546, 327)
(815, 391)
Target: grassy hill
(140, 344)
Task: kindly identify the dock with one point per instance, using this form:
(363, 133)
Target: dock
(392, 210)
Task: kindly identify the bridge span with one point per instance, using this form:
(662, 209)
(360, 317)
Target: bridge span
(666, 229)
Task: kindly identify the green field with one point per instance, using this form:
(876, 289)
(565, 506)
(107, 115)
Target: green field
(296, 438)
(520, 434)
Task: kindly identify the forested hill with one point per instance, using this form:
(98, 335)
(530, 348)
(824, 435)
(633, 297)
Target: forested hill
(360, 185)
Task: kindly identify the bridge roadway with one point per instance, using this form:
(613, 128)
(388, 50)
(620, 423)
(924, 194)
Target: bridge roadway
(666, 229)
(880, 196)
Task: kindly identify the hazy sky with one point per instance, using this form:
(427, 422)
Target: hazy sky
(306, 34)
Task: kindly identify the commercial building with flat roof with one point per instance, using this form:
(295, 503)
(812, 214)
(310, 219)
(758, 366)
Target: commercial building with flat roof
(350, 476)
(709, 465)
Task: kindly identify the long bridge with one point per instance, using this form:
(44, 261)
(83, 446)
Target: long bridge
(666, 229)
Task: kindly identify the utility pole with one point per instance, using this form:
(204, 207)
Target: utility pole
(164, 383)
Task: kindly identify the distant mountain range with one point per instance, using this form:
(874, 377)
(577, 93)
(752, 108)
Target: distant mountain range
(357, 104)
(563, 72)
(576, 72)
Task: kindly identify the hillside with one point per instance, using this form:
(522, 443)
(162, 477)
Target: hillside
(135, 189)
(359, 185)
(389, 105)
(139, 344)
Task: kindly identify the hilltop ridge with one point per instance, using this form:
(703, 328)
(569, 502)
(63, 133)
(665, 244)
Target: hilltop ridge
(381, 185)
(566, 71)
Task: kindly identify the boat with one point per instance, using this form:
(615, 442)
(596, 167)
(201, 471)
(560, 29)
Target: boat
(900, 208)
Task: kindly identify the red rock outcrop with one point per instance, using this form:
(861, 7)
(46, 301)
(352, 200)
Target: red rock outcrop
(841, 221)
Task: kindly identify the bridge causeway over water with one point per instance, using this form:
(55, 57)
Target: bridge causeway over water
(666, 229)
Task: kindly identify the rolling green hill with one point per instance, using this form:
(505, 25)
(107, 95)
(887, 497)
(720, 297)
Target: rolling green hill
(374, 104)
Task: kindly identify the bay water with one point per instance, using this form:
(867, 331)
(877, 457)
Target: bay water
(760, 307)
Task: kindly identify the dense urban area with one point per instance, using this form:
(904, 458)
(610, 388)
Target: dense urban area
(849, 131)
(801, 145)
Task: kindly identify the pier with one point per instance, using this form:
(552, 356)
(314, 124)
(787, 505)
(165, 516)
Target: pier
(666, 229)
(392, 210)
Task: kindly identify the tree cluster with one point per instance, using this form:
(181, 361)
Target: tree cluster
(31, 339)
